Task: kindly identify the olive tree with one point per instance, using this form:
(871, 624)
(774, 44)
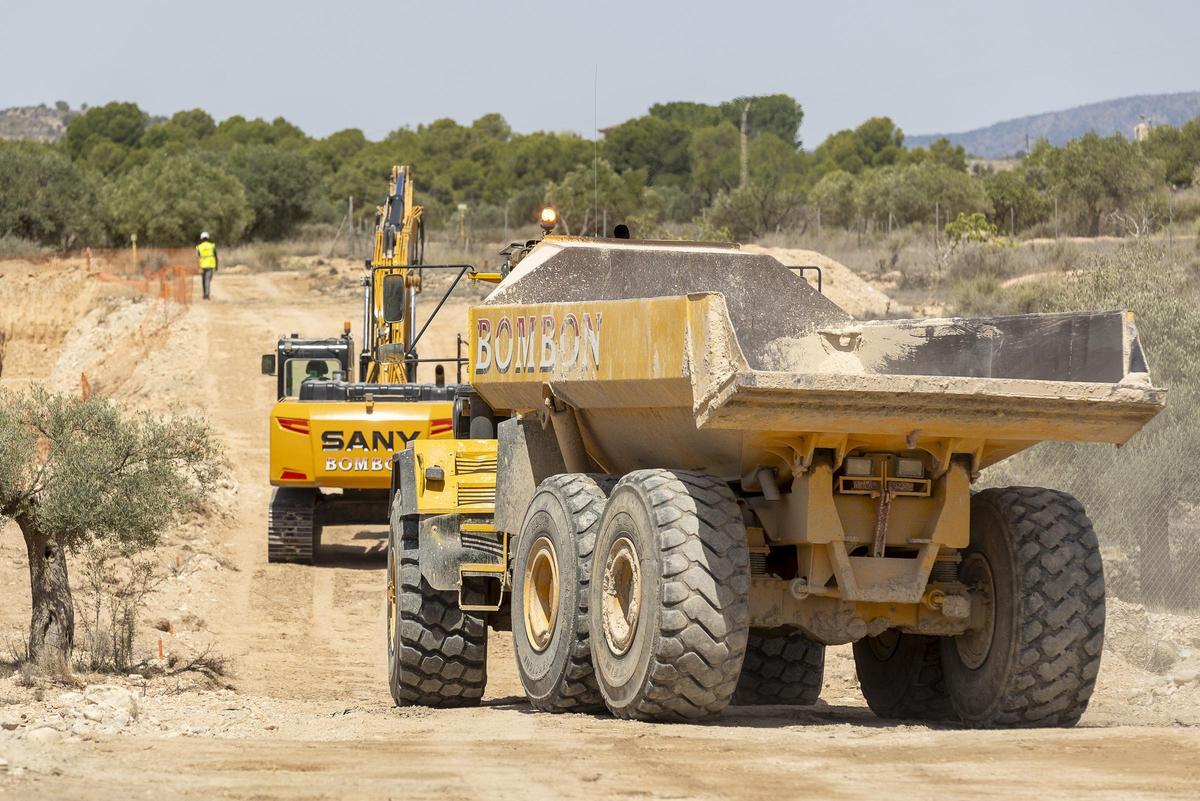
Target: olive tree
(834, 195)
(45, 197)
(174, 197)
(1099, 175)
(589, 193)
(79, 471)
(770, 199)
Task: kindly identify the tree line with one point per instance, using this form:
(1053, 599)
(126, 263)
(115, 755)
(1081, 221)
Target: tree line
(730, 170)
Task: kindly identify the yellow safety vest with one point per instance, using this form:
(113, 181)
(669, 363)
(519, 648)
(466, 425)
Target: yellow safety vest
(207, 252)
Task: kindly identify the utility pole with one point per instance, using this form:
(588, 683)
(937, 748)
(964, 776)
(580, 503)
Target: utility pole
(745, 178)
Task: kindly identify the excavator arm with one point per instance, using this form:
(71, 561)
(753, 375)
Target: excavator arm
(391, 285)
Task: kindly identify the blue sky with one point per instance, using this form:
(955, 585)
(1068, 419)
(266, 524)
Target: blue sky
(380, 65)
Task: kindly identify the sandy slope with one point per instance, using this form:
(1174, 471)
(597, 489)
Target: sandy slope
(311, 717)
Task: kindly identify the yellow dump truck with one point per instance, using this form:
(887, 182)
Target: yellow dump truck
(332, 437)
(706, 472)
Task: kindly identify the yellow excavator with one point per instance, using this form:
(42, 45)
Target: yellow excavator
(331, 436)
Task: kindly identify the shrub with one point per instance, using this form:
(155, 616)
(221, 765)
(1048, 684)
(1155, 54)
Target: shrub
(14, 247)
(171, 199)
(1143, 495)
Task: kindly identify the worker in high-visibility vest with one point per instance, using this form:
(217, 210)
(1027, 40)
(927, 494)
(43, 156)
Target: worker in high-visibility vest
(206, 252)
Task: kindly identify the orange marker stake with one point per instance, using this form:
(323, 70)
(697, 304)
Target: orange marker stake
(160, 648)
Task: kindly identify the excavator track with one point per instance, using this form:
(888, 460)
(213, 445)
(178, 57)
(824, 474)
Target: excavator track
(293, 532)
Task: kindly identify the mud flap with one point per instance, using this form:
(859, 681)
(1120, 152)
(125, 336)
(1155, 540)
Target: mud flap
(445, 547)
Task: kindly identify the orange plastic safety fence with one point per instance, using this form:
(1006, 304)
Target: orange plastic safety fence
(164, 273)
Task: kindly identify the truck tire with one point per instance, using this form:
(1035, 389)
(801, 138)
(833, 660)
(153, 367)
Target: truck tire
(1035, 561)
(900, 676)
(437, 653)
(669, 597)
(782, 666)
(293, 529)
(552, 568)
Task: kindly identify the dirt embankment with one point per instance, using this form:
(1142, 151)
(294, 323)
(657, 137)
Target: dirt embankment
(840, 284)
(305, 712)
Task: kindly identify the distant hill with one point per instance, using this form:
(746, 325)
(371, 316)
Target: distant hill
(1106, 118)
(42, 123)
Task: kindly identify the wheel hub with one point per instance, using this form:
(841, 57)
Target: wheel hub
(622, 590)
(975, 643)
(541, 594)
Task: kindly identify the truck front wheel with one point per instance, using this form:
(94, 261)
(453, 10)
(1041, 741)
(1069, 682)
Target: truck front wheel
(1033, 650)
(669, 596)
(437, 653)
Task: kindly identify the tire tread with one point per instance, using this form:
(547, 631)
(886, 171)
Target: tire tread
(697, 656)
(782, 666)
(443, 650)
(585, 495)
(1061, 599)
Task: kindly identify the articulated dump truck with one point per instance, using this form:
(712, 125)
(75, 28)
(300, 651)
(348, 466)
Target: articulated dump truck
(705, 472)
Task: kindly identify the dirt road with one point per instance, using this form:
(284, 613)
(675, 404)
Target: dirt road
(311, 717)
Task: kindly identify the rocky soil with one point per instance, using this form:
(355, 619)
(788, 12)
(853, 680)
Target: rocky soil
(299, 708)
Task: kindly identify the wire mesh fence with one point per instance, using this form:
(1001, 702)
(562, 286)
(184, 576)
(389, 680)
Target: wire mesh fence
(1144, 503)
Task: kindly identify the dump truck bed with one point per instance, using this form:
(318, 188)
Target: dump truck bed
(675, 354)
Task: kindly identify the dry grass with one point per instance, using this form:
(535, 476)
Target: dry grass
(921, 271)
(12, 247)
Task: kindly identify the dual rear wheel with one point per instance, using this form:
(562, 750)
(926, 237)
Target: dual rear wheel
(634, 596)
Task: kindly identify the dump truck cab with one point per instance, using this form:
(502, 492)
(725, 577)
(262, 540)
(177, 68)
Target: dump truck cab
(706, 472)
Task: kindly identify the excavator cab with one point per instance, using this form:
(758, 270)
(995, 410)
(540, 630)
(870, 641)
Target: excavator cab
(296, 360)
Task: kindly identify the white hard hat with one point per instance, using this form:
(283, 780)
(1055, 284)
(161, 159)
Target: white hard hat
(204, 235)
